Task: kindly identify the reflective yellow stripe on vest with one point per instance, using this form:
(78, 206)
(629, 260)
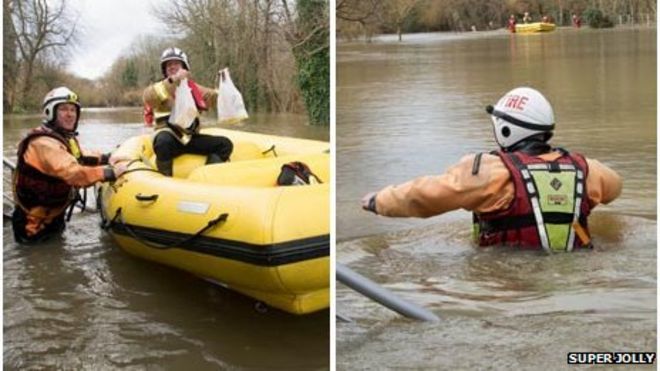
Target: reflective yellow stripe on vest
(160, 114)
(161, 91)
(184, 139)
(75, 150)
(558, 192)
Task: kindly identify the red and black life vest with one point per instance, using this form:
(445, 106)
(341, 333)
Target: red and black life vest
(532, 221)
(34, 188)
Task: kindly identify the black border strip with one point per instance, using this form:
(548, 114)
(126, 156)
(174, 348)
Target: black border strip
(264, 255)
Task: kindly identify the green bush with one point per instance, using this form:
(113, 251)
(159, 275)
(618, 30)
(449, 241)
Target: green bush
(313, 60)
(596, 19)
(314, 82)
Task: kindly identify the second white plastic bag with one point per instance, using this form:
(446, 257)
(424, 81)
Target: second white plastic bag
(231, 108)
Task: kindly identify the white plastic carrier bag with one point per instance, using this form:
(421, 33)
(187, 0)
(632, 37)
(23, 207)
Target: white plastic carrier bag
(231, 108)
(184, 111)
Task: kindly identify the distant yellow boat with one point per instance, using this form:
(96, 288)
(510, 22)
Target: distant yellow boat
(535, 27)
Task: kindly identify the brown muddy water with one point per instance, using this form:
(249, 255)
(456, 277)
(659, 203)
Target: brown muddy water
(414, 108)
(80, 302)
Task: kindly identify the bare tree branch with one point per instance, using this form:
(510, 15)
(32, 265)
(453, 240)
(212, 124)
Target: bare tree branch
(42, 28)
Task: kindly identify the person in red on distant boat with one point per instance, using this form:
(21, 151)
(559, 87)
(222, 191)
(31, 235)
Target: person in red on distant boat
(511, 24)
(577, 21)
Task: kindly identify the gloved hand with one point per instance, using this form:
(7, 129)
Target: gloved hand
(180, 75)
(369, 202)
(114, 159)
(119, 169)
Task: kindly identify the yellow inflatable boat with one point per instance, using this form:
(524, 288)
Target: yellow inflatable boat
(535, 27)
(230, 223)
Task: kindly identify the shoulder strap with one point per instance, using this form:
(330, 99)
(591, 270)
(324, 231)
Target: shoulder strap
(580, 191)
(476, 163)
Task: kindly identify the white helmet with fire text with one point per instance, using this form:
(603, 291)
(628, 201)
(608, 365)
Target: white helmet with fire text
(56, 97)
(519, 114)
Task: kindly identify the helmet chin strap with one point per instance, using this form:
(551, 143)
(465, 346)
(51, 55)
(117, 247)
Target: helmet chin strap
(66, 133)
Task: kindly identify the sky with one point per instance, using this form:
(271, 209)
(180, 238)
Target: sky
(108, 29)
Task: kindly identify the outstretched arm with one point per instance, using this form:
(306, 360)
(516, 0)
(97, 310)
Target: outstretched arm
(426, 196)
(604, 185)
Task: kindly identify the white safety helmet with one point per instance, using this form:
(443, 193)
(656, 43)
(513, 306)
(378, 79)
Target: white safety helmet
(173, 54)
(520, 114)
(56, 97)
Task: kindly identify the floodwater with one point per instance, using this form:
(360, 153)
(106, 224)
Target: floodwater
(80, 302)
(414, 108)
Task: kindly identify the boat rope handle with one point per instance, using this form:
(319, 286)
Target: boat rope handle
(77, 201)
(271, 149)
(118, 219)
(141, 197)
(138, 169)
(105, 225)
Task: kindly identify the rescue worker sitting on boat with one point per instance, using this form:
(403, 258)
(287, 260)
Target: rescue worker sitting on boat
(171, 141)
(527, 194)
(50, 165)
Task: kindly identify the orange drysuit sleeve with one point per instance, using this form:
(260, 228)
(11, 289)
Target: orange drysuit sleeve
(51, 157)
(491, 189)
(604, 185)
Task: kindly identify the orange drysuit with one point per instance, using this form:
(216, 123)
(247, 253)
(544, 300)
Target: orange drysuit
(52, 157)
(491, 189)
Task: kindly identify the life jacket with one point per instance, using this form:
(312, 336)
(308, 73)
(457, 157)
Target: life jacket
(148, 115)
(550, 205)
(32, 187)
(162, 117)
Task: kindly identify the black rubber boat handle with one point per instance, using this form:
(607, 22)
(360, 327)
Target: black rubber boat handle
(141, 197)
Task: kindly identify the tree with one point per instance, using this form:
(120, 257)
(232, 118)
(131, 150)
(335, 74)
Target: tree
(41, 29)
(309, 36)
(9, 60)
(275, 56)
(247, 37)
(129, 76)
(364, 13)
(361, 11)
(396, 12)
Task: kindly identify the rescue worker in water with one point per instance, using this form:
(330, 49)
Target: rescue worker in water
(171, 141)
(526, 194)
(50, 165)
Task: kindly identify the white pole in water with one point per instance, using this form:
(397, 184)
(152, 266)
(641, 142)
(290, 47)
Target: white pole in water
(8, 163)
(381, 295)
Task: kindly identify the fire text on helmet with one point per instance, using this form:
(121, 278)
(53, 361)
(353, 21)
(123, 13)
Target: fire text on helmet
(516, 102)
